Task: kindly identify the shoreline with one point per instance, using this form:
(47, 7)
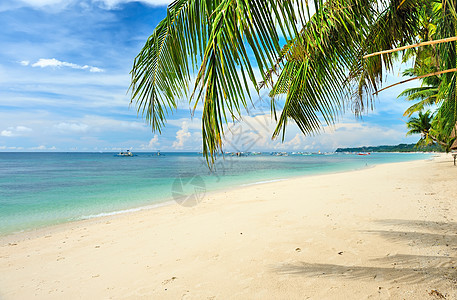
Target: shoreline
(169, 201)
(385, 232)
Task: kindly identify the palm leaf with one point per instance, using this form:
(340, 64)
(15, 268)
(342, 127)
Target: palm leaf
(214, 39)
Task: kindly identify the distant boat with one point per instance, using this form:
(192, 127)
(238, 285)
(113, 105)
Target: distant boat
(280, 154)
(363, 153)
(127, 153)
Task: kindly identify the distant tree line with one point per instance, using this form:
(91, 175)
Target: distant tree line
(395, 148)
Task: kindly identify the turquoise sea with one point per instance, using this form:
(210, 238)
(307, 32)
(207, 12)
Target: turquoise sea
(42, 189)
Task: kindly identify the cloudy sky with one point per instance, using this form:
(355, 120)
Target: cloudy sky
(64, 76)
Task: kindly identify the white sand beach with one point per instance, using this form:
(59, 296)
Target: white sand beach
(388, 232)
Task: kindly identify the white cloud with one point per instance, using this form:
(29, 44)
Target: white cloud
(54, 63)
(14, 131)
(59, 5)
(252, 133)
(24, 62)
(153, 143)
(23, 129)
(192, 124)
(354, 135)
(43, 147)
(48, 5)
(182, 136)
(103, 123)
(93, 69)
(11, 148)
(75, 127)
(7, 133)
(112, 4)
(296, 143)
(41, 3)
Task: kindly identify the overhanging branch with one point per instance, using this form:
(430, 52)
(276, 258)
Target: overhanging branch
(451, 39)
(418, 77)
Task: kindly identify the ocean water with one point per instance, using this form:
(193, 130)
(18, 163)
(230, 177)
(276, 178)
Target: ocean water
(42, 189)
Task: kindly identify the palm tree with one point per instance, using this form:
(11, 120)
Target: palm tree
(318, 70)
(425, 62)
(425, 95)
(430, 129)
(421, 125)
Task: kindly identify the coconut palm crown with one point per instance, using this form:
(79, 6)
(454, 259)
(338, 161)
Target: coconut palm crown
(207, 52)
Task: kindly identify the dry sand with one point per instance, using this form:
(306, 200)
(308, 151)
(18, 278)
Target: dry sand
(388, 232)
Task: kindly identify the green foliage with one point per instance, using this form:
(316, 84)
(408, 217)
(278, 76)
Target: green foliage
(200, 53)
(438, 21)
(421, 124)
(431, 129)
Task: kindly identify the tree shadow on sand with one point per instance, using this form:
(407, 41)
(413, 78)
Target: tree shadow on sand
(438, 269)
(444, 227)
(421, 233)
(404, 268)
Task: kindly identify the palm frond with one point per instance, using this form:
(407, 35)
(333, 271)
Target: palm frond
(312, 66)
(213, 38)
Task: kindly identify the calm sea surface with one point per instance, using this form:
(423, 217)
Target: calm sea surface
(42, 189)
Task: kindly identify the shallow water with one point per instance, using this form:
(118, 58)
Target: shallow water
(41, 189)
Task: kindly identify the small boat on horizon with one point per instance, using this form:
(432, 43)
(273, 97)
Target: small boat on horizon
(127, 153)
(280, 154)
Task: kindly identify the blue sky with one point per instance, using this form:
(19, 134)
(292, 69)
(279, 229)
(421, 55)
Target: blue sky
(64, 76)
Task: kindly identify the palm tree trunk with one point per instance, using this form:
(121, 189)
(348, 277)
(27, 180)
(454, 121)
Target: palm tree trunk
(445, 145)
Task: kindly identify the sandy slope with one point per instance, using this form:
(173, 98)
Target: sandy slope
(387, 232)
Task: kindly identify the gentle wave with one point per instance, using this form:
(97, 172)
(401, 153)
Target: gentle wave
(262, 182)
(130, 210)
